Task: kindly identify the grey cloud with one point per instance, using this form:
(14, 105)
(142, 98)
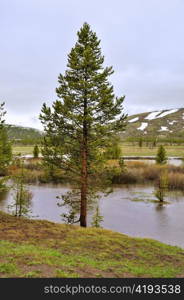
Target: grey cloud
(143, 40)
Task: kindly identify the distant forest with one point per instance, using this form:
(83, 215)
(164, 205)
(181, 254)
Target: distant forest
(24, 135)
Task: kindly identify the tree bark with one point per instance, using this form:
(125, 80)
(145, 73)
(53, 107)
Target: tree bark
(83, 209)
(84, 170)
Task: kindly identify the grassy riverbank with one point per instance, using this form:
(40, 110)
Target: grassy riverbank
(32, 248)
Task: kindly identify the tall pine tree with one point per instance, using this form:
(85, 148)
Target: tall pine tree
(79, 125)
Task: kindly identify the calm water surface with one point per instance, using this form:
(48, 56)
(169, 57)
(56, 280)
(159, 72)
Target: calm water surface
(171, 161)
(130, 210)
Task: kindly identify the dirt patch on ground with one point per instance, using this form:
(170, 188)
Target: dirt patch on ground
(42, 270)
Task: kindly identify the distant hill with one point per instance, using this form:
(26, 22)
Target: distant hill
(168, 123)
(161, 124)
(18, 133)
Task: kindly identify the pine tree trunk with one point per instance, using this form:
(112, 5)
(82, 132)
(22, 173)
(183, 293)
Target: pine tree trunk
(84, 171)
(83, 209)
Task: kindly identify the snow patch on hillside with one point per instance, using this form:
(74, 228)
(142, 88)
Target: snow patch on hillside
(143, 126)
(152, 115)
(133, 120)
(172, 111)
(172, 122)
(163, 128)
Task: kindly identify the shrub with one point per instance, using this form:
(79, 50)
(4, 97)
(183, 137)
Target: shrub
(97, 218)
(36, 151)
(161, 157)
(128, 177)
(151, 172)
(162, 185)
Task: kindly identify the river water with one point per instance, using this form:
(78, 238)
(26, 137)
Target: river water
(131, 210)
(171, 160)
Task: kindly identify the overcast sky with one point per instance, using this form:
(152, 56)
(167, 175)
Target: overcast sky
(143, 40)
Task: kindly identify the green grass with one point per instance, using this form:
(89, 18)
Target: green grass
(23, 150)
(135, 150)
(128, 149)
(30, 248)
(8, 267)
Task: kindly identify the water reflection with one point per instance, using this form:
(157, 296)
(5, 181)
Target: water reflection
(160, 207)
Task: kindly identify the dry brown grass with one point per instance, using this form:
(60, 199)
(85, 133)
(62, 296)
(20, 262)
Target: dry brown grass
(176, 181)
(141, 172)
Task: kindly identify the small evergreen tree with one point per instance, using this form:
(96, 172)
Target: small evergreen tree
(162, 186)
(22, 196)
(36, 151)
(161, 157)
(140, 142)
(154, 143)
(97, 218)
(122, 164)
